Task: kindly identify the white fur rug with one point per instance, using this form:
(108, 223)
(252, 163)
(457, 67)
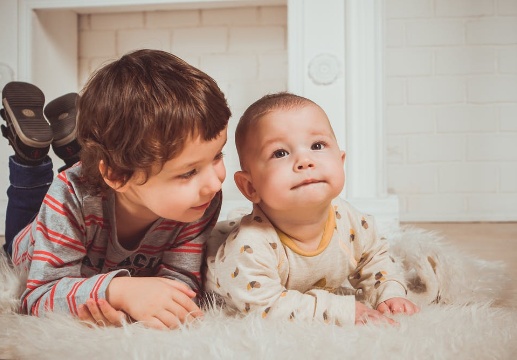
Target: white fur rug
(474, 318)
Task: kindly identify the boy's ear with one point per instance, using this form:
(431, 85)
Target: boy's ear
(243, 182)
(106, 175)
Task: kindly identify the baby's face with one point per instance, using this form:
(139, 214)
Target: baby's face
(294, 159)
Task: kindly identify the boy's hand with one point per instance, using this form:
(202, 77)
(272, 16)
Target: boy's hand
(398, 306)
(100, 313)
(157, 302)
(363, 315)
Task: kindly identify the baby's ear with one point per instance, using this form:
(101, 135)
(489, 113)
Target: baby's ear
(106, 175)
(245, 185)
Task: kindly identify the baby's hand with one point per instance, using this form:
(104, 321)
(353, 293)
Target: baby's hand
(363, 315)
(156, 302)
(398, 306)
(101, 313)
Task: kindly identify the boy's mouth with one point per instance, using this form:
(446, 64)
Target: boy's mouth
(202, 207)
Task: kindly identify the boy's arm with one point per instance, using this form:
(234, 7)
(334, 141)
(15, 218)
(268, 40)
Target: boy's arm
(375, 273)
(183, 260)
(55, 255)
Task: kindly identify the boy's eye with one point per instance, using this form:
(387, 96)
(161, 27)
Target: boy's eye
(188, 175)
(219, 156)
(280, 153)
(318, 146)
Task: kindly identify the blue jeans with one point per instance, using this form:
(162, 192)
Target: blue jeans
(28, 187)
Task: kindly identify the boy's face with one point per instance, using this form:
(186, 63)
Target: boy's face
(183, 189)
(293, 159)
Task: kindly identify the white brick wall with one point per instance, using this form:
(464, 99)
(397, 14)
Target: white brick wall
(451, 90)
(451, 117)
(243, 49)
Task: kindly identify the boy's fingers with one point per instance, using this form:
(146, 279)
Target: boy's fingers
(84, 314)
(168, 319)
(184, 288)
(113, 316)
(185, 302)
(98, 316)
(155, 323)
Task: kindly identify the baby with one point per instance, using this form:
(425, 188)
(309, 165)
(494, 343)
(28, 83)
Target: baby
(302, 245)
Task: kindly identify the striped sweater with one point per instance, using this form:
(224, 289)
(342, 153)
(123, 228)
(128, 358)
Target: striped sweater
(70, 251)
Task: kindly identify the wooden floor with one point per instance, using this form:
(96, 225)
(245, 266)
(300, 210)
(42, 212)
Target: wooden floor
(489, 241)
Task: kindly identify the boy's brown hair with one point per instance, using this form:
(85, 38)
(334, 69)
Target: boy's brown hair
(139, 111)
(264, 105)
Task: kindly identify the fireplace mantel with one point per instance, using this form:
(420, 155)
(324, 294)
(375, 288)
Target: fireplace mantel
(335, 52)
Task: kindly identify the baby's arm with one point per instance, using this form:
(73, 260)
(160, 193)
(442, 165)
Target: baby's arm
(375, 273)
(248, 274)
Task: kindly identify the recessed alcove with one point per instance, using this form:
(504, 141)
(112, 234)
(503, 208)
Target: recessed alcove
(335, 57)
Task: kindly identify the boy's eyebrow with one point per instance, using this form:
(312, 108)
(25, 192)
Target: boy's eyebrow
(192, 164)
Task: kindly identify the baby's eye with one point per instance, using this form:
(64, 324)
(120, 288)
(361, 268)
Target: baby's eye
(188, 175)
(280, 153)
(318, 146)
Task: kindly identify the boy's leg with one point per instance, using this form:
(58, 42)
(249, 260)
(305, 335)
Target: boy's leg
(30, 168)
(62, 114)
(28, 187)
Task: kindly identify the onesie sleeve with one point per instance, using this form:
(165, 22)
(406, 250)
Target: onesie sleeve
(247, 273)
(375, 273)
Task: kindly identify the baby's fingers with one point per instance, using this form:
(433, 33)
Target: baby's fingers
(383, 308)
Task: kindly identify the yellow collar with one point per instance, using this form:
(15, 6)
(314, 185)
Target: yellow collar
(325, 239)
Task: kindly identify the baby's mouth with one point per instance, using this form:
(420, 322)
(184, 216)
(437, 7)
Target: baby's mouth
(306, 182)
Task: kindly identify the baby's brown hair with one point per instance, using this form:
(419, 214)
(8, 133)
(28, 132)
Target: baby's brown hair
(140, 110)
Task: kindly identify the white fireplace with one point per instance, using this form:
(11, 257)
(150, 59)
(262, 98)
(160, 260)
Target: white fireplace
(335, 57)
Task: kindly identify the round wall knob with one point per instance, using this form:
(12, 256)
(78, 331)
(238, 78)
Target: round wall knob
(324, 69)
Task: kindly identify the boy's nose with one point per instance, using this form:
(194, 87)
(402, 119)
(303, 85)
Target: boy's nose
(213, 183)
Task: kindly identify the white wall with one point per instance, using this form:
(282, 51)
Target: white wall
(451, 68)
(8, 70)
(451, 89)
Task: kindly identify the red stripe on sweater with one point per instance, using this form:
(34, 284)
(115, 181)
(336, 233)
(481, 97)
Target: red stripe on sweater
(185, 251)
(51, 296)
(70, 298)
(60, 208)
(49, 255)
(35, 307)
(62, 176)
(94, 293)
(60, 239)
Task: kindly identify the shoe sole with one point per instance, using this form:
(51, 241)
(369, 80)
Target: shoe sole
(23, 103)
(59, 112)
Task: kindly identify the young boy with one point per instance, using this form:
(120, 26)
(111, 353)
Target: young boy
(124, 230)
(301, 244)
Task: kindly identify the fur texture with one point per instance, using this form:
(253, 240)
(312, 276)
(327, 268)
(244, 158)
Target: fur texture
(468, 312)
